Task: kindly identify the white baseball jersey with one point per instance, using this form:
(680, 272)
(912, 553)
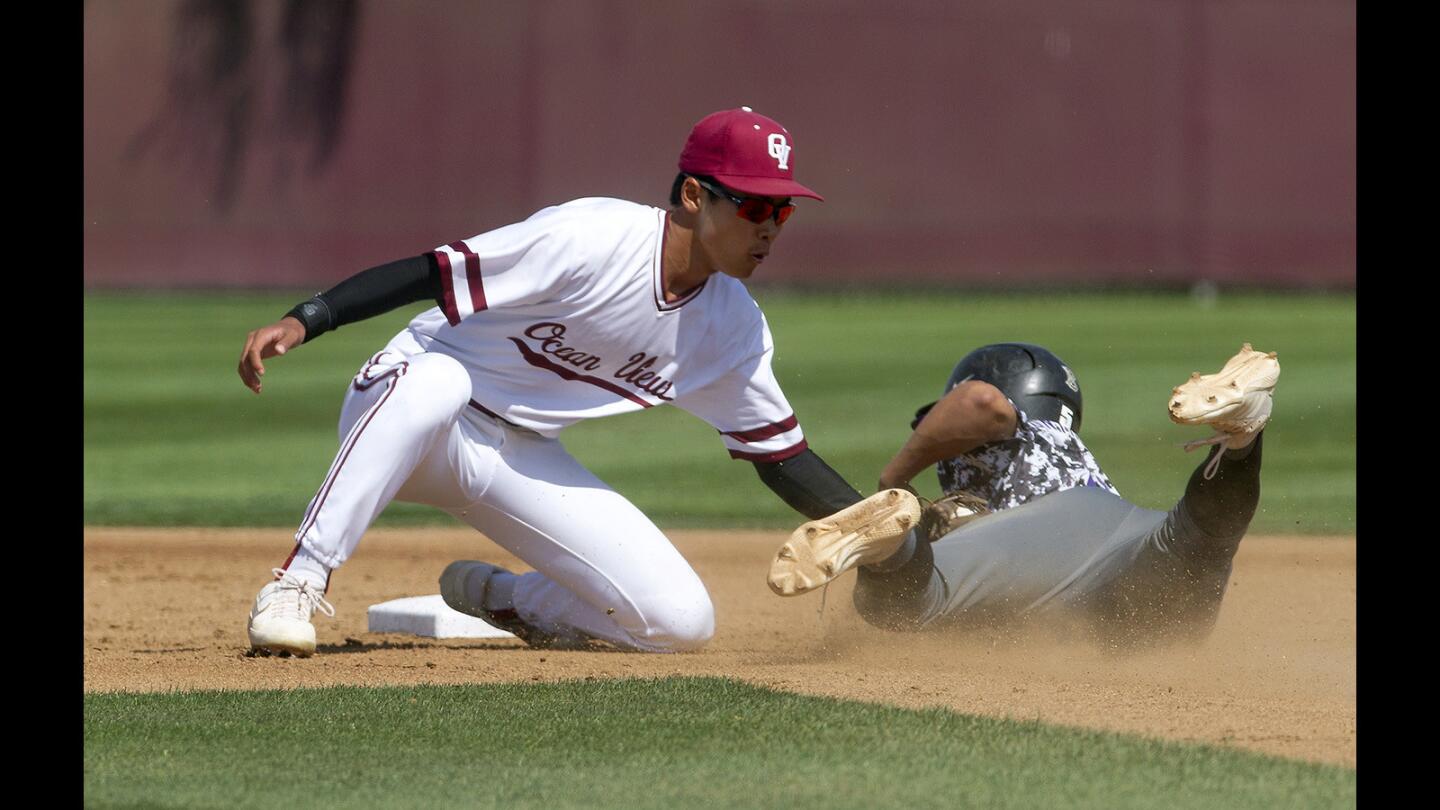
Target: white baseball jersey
(562, 317)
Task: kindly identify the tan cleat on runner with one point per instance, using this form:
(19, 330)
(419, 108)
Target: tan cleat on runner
(821, 550)
(1235, 401)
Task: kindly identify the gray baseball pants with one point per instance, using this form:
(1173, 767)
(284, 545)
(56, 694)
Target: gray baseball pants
(1128, 574)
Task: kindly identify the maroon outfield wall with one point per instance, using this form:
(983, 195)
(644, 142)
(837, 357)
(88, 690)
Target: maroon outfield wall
(1004, 143)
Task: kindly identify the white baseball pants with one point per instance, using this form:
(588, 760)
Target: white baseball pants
(408, 432)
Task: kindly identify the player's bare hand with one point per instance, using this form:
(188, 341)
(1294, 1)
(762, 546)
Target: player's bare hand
(265, 343)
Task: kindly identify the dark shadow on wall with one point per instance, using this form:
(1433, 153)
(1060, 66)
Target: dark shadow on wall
(225, 97)
(316, 44)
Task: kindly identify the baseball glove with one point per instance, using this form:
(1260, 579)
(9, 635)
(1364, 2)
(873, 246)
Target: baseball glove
(939, 518)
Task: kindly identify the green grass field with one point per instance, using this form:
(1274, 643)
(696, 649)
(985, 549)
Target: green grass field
(173, 438)
(675, 743)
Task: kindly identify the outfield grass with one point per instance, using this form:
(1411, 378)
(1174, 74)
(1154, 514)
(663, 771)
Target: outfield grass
(688, 742)
(173, 438)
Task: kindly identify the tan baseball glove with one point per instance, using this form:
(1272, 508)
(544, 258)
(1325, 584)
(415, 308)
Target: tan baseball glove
(940, 517)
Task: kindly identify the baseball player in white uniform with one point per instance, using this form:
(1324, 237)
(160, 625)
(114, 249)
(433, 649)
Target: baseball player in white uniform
(586, 309)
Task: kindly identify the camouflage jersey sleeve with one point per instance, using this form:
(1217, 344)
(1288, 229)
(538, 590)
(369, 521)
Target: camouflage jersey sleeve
(1043, 457)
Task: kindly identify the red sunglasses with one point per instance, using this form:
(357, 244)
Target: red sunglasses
(754, 209)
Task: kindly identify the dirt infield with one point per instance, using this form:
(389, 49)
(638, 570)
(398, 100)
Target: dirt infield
(165, 609)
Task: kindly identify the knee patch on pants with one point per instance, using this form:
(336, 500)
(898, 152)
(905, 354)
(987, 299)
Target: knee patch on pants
(675, 622)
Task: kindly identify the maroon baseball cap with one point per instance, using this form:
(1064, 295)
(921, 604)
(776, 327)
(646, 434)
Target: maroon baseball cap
(744, 151)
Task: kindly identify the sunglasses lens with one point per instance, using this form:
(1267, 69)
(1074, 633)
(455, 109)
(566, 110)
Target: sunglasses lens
(757, 211)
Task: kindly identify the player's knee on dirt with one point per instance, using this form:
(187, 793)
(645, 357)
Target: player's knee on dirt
(1162, 597)
(676, 621)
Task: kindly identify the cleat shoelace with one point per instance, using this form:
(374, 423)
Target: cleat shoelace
(1214, 463)
(304, 592)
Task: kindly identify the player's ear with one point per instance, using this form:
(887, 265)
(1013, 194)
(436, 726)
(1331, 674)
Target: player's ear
(690, 195)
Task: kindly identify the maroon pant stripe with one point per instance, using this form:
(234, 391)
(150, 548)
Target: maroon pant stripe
(350, 443)
(291, 558)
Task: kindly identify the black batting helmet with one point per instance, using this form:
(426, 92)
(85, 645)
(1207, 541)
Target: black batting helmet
(1038, 382)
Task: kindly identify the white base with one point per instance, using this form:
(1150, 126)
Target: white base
(428, 616)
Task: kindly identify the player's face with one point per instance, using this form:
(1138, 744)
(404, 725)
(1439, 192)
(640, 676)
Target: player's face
(735, 245)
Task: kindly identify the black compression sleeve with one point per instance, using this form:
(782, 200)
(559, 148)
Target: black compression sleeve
(370, 293)
(807, 484)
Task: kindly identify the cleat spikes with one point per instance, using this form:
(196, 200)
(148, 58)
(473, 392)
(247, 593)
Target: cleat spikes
(866, 532)
(1235, 401)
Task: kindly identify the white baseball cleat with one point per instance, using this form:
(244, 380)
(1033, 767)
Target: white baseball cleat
(280, 619)
(1235, 401)
(821, 550)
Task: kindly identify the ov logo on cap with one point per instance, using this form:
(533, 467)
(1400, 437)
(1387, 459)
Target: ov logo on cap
(745, 152)
(780, 150)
